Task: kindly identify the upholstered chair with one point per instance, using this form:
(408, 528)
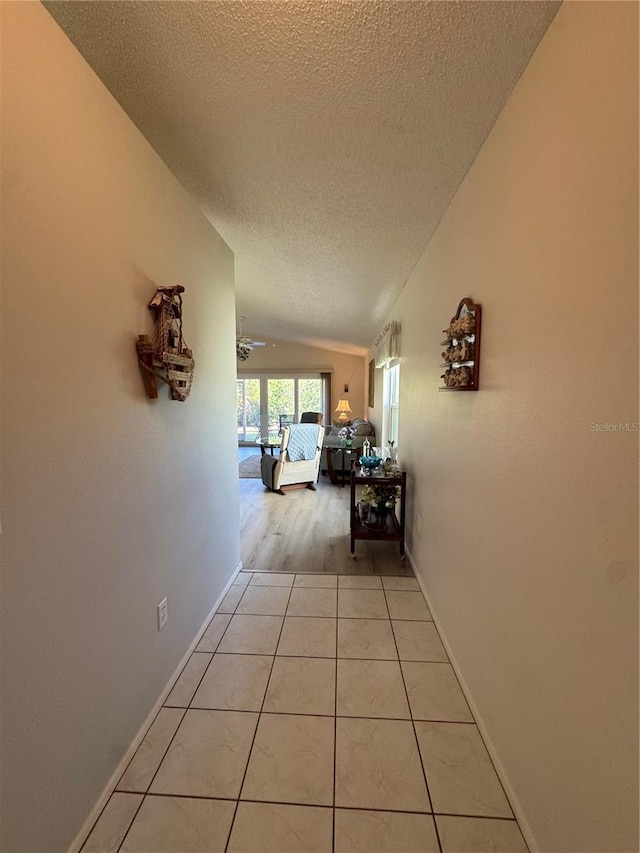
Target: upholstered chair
(284, 472)
(311, 418)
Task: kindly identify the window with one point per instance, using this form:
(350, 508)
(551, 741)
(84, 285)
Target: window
(263, 400)
(248, 409)
(390, 403)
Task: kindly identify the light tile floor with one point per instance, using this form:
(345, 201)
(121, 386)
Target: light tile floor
(318, 714)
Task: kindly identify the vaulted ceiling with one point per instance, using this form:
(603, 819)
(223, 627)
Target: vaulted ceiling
(323, 139)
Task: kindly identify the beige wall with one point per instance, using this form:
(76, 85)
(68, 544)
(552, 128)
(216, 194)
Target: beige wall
(347, 369)
(110, 501)
(529, 519)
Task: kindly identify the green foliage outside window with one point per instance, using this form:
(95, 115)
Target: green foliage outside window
(281, 401)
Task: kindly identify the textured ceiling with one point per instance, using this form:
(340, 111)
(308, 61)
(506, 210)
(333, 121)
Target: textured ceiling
(324, 140)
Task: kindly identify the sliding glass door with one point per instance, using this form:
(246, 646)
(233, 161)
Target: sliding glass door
(248, 409)
(281, 402)
(265, 401)
(310, 396)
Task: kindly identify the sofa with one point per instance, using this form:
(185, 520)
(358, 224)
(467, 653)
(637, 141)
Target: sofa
(363, 430)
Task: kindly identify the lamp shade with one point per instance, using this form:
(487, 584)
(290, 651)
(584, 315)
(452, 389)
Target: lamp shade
(344, 410)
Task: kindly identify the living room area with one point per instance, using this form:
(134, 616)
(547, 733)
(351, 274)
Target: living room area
(279, 384)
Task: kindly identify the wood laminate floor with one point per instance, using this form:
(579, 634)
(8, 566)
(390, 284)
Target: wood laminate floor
(305, 531)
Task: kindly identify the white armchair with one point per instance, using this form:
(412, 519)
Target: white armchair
(282, 473)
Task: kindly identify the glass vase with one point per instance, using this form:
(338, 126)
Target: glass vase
(364, 512)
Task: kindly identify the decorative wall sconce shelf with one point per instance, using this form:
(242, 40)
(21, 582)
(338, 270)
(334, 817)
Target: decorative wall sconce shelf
(461, 357)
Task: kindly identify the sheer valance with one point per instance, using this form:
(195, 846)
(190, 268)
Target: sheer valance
(388, 344)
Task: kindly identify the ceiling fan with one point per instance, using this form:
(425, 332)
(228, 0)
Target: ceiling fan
(244, 344)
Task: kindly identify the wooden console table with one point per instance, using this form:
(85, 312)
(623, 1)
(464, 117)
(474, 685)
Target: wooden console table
(393, 529)
(337, 477)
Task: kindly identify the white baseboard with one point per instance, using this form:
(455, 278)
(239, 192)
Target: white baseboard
(96, 811)
(493, 754)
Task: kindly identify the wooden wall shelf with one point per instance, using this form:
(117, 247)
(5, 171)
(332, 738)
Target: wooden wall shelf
(461, 357)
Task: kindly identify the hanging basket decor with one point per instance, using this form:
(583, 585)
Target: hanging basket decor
(167, 357)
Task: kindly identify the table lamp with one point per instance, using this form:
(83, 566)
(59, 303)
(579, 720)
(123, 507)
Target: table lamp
(344, 410)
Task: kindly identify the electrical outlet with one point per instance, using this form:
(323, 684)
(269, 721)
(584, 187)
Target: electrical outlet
(418, 522)
(163, 613)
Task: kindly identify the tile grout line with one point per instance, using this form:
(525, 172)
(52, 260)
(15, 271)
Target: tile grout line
(413, 726)
(103, 811)
(262, 712)
(131, 761)
(513, 814)
(255, 731)
(455, 675)
(160, 795)
(475, 723)
(320, 716)
(128, 827)
(145, 793)
(164, 754)
(171, 739)
(468, 722)
(307, 616)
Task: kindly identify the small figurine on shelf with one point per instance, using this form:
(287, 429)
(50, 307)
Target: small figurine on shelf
(467, 324)
(463, 377)
(459, 377)
(464, 325)
(466, 350)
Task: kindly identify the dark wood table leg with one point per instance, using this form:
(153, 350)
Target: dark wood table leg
(352, 515)
(337, 478)
(330, 469)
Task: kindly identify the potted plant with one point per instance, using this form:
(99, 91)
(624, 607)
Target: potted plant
(380, 499)
(346, 434)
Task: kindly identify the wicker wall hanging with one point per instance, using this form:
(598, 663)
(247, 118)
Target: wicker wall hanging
(167, 358)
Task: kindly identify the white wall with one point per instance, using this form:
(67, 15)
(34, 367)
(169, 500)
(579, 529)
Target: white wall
(346, 369)
(110, 501)
(528, 544)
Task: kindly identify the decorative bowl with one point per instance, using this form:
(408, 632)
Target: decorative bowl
(370, 461)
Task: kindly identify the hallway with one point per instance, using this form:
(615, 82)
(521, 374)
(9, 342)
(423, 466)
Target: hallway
(318, 713)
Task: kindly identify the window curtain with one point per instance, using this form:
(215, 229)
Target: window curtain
(388, 344)
(326, 398)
